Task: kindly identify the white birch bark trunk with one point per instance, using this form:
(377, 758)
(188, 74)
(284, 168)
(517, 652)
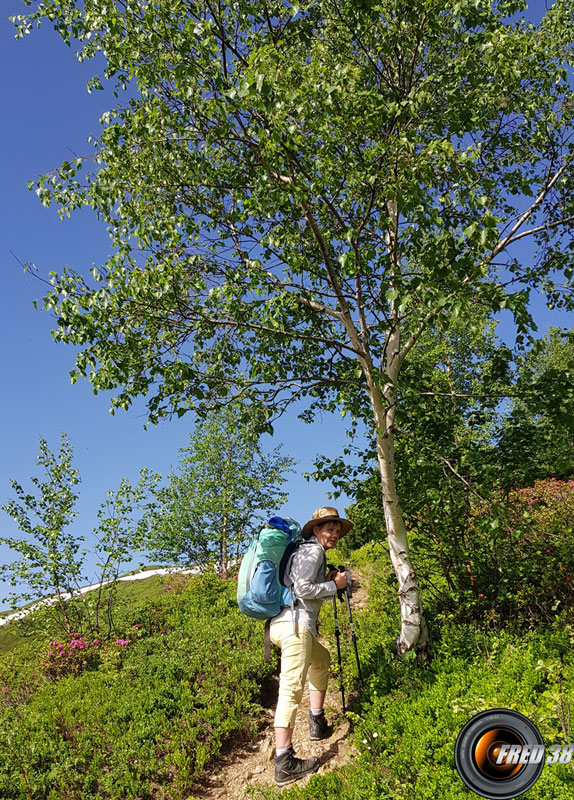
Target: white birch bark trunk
(414, 631)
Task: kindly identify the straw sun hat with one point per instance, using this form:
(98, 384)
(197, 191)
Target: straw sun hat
(326, 514)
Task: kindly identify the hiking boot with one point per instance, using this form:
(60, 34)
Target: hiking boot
(289, 769)
(319, 728)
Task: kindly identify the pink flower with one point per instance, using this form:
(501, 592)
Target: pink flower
(480, 596)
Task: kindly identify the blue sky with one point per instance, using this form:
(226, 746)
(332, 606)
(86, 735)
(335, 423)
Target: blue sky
(47, 117)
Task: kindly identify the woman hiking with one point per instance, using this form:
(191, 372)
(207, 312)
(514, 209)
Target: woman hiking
(294, 631)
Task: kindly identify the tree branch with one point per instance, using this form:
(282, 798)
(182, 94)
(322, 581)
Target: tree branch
(510, 237)
(440, 458)
(540, 228)
(346, 314)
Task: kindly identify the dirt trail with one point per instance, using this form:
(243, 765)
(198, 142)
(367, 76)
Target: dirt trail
(250, 763)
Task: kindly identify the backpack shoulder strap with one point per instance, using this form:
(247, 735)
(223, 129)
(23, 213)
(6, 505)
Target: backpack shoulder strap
(286, 562)
(267, 641)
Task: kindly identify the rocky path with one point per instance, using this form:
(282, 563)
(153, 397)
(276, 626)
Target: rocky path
(250, 763)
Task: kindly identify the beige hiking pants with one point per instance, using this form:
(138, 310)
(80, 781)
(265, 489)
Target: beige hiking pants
(299, 651)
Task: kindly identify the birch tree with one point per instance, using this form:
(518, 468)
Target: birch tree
(223, 491)
(295, 192)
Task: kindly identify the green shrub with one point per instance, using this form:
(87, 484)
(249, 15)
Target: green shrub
(513, 562)
(149, 711)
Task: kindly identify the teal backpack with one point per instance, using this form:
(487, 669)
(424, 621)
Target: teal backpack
(261, 591)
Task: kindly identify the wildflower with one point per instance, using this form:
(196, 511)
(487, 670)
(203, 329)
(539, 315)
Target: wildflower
(364, 741)
(375, 734)
(480, 596)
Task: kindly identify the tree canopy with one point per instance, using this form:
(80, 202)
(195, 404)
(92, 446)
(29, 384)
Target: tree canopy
(224, 490)
(296, 193)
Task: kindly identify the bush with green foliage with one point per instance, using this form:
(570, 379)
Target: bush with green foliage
(148, 716)
(514, 560)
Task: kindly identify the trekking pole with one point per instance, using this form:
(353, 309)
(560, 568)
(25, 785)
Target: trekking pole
(348, 592)
(338, 637)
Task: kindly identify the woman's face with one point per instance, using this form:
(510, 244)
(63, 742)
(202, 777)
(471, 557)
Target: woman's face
(328, 533)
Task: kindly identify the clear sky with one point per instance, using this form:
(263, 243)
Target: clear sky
(47, 117)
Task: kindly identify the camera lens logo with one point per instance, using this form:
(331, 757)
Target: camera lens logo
(499, 754)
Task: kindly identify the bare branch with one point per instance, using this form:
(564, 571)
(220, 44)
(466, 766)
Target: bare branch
(541, 228)
(332, 312)
(346, 314)
(528, 213)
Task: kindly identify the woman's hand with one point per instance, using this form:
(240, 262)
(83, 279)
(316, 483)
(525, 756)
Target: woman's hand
(340, 579)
